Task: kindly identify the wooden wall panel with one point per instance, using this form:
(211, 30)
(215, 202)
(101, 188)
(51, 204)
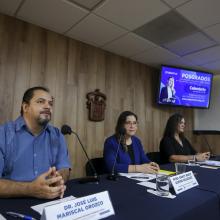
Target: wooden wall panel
(31, 56)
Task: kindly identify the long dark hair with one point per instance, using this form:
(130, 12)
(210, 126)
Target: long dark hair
(172, 124)
(121, 124)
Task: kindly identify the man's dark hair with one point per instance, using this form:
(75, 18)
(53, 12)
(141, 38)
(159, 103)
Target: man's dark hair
(172, 124)
(29, 93)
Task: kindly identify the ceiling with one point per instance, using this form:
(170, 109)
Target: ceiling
(173, 32)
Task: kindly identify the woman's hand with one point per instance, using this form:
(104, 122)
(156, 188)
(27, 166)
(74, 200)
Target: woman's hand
(202, 156)
(148, 168)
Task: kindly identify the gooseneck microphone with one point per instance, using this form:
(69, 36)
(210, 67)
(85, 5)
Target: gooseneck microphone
(112, 175)
(207, 144)
(66, 129)
(202, 133)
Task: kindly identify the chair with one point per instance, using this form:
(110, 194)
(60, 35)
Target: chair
(99, 165)
(154, 156)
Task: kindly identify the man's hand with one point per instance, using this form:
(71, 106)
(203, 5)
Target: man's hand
(48, 185)
(56, 173)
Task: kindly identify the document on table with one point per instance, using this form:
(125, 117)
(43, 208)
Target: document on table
(167, 172)
(169, 196)
(39, 208)
(148, 184)
(145, 176)
(209, 167)
(2, 217)
(210, 163)
(153, 189)
(139, 176)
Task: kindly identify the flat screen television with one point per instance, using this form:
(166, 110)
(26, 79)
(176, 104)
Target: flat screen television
(184, 87)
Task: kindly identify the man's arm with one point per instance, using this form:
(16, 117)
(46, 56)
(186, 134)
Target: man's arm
(10, 188)
(42, 187)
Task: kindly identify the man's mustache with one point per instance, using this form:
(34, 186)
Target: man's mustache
(45, 112)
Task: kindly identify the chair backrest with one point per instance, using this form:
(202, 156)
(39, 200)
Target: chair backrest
(99, 165)
(154, 156)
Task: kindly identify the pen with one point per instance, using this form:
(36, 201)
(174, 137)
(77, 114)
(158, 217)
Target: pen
(140, 177)
(18, 215)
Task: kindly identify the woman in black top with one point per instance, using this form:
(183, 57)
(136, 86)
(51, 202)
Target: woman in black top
(174, 147)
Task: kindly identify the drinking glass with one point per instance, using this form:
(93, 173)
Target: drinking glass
(192, 162)
(180, 168)
(162, 185)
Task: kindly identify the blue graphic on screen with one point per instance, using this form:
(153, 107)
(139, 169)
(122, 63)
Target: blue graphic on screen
(185, 87)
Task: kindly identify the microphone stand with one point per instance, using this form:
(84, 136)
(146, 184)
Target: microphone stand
(95, 178)
(210, 149)
(203, 132)
(112, 175)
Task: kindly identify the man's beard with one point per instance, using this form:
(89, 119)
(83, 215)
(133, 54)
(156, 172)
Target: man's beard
(43, 121)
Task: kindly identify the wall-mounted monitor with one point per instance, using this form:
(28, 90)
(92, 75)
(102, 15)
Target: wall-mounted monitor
(184, 87)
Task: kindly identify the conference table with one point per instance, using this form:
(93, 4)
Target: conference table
(132, 201)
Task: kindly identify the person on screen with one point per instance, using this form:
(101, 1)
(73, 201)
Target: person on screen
(174, 146)
(33, 154)
(167, 94)
(130, 155)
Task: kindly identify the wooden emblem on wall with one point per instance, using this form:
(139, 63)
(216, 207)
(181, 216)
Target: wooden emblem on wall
(96, 105)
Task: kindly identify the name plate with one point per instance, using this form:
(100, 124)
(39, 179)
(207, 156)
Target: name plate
(92, 207)
(183, 182)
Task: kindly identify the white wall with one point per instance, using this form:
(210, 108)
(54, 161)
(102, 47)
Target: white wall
(209, 119)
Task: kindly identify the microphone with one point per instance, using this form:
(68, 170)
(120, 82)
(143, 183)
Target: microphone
(66, 129)
(112, 175)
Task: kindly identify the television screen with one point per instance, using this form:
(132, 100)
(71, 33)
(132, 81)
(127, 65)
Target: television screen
(183, 87)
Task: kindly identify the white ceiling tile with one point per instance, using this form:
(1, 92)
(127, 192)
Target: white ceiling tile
(189, 44)
(180, 61)
(175, 3)
(128, 45)
(9, 7)
(131, 14)
(200, 68)
(108, 32)
(96, 31)
(155, 56)
(214, 32)
(205, 56)
(214, 66)
(54, 15)
(202, 13)
(89, 4)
